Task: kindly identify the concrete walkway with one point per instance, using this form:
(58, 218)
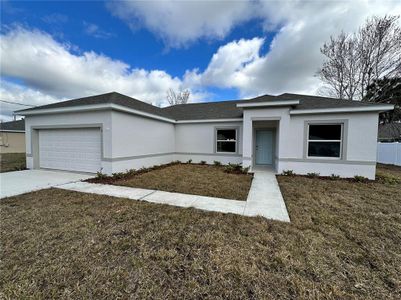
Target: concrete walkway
(177, 199)
(264, 197)
(20, 182)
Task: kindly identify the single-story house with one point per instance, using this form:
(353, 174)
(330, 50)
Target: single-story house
(389, 133)
(113, 132)
(12, 137)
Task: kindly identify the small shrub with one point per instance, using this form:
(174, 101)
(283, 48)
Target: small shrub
(217, 163)
(189, 161)
(20, 168)
(288, 173)
(130, 172)
(118, 175)
(387, 179)
(100, 175)
(203, 162)
(312, 175)
(334, 177)
(235, 169)
(359, 178)
(175, 162)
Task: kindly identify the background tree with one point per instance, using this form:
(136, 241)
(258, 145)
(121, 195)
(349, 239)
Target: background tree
(354, 61)
(386, 90)
(180, 97)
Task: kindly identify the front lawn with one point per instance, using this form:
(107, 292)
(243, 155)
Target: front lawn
(343, 242)
(12, 162)
(204, 180)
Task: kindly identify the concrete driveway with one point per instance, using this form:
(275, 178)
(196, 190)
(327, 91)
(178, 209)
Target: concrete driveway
(20, 182)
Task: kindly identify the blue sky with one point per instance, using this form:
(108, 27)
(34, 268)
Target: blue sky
(56, 50)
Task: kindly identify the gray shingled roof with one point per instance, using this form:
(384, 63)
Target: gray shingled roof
(109, 98)
(13, 125)
(205, 110)
(229, 109)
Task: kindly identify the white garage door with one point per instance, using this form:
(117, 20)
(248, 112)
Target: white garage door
(70, 149)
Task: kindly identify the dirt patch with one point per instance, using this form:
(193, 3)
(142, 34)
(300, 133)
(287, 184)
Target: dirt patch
(204, 180)
(343, 243)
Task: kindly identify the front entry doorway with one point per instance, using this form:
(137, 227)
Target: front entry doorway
(264, 147)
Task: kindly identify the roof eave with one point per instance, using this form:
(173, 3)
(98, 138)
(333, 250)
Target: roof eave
(95, 107)
(373, 108)
(268, 104)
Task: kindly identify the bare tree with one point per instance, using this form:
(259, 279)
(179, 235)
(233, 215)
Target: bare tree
(386, 90)
(180, 97)
(354, 61)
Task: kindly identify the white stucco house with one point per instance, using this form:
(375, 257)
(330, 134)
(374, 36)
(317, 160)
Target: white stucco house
(113, 132)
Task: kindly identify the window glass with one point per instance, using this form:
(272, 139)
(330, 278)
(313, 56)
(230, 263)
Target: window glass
(325, 132)
(226, 140)
(226, 134)
(225, 147)
(324, 149)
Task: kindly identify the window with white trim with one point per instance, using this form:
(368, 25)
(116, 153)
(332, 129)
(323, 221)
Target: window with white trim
(226, 140)
(325, 140)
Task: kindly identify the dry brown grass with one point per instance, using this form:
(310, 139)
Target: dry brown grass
(343, 242)
(12, 162)
(193, 179)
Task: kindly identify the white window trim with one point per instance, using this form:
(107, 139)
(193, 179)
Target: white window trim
(340, 157)
(227, 141)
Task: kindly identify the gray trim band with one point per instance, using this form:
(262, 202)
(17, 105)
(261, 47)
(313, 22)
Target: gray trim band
(68, 126)
(136, 156)
(167, 153)
(329, 161)
(210, 154)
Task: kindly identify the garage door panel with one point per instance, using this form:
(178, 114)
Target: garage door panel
(70, 149)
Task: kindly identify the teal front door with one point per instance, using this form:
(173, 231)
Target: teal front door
(264, 147)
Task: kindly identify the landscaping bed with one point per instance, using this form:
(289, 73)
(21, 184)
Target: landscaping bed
(196, 179)
(343, 242)
(12, 162)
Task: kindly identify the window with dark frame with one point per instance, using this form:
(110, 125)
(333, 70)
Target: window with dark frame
(226, 140)
(325, 140)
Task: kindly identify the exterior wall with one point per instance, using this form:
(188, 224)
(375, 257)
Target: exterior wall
(12, 142)
(98, 119)
(281, 118)
(131, 141)
(359, 142)
(140, 142)
(359, 146)
(197, 141)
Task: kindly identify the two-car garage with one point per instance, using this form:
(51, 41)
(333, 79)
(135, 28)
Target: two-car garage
(70, 149)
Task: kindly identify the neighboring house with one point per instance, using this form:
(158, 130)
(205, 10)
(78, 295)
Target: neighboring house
(389, 133)
(113, 133)
(12, 137)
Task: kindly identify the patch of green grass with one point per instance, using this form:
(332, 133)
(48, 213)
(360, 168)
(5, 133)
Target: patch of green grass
(12, 162)
(343, 242)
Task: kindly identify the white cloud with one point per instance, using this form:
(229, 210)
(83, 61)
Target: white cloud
(228, 66)
(57, 70)
(294, 57)
(50, 70)
(55, 18)
(95, 31)
(179, 23)
(19, 94)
